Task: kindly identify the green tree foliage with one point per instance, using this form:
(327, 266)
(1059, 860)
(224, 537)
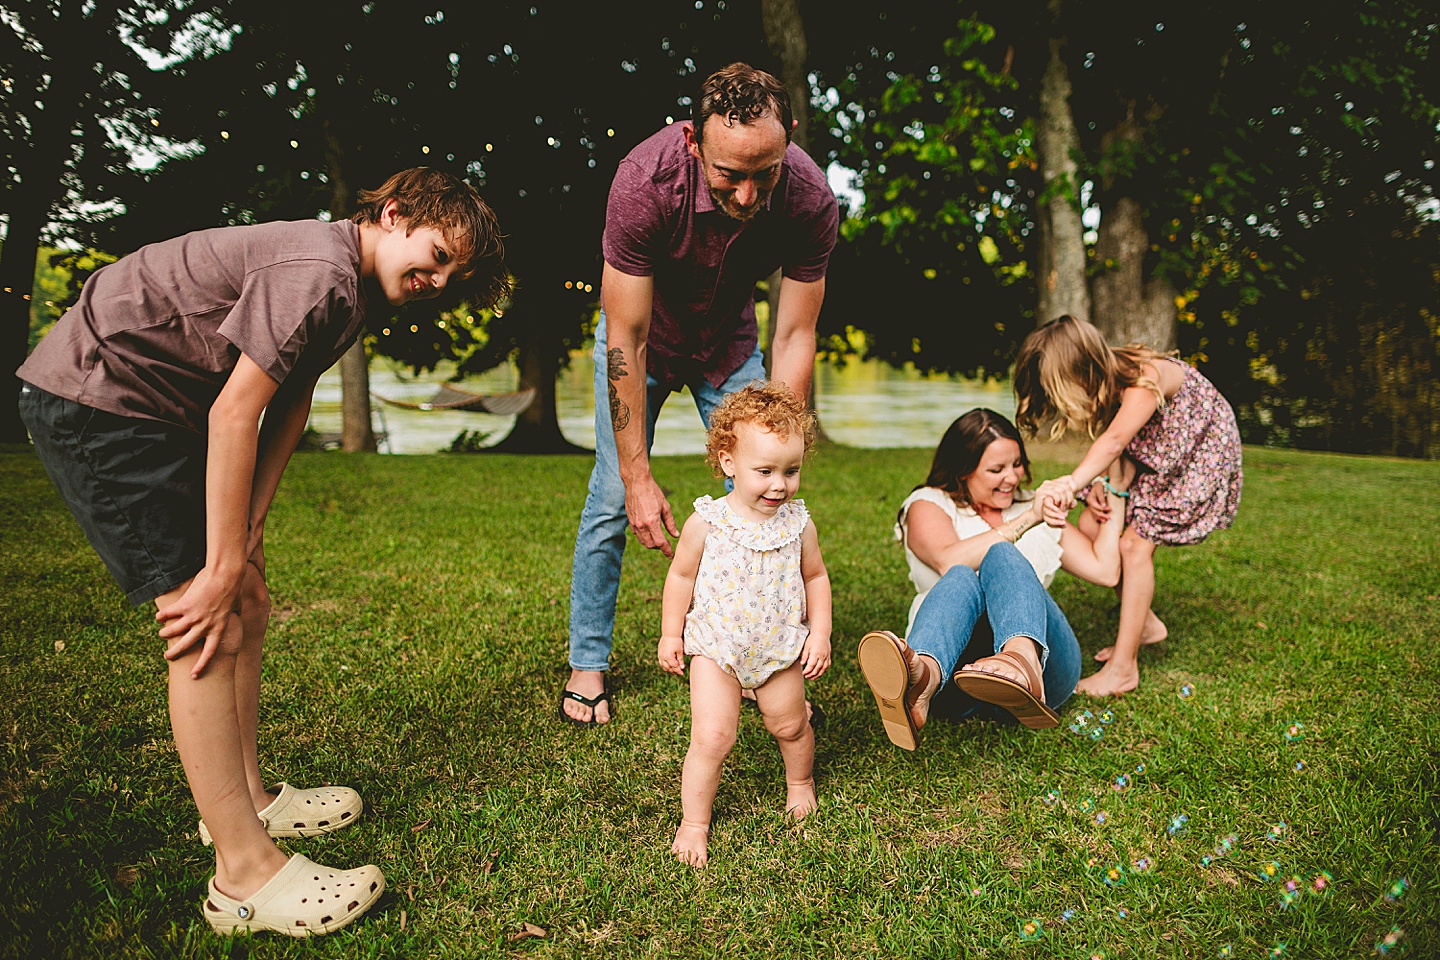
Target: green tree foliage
(1262, 142)
(75, 100)
(534, 103)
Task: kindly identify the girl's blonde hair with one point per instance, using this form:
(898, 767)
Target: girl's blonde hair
(1066, 375)
(768, 406)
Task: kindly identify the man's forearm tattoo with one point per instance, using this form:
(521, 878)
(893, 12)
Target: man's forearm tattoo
(615, 369)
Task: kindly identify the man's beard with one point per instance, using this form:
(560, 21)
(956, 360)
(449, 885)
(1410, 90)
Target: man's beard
(728, 207)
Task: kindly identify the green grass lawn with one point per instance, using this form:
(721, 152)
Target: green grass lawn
(418, 646)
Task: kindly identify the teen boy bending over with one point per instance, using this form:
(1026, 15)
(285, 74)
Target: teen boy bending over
(145, 406)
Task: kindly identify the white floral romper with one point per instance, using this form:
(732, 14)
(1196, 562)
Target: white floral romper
(747, 613)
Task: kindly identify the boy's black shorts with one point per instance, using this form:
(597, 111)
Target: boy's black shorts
(136, 486)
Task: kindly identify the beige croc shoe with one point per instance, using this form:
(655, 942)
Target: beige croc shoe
(303, 898)
(305, 813)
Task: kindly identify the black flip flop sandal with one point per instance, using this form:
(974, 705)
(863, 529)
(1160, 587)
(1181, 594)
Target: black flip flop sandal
(602, 696)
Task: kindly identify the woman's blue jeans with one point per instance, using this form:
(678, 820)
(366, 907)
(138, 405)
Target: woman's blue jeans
(951, 624)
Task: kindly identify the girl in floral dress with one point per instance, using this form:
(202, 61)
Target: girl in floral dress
(748, 599)
(1180, 463)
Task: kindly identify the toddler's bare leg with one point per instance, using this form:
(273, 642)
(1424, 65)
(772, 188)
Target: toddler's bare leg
(782, 704)
(208, 736)
(714, 717)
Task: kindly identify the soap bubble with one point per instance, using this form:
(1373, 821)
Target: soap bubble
(1101, 818)
(1067, 915)
(1087, 805)
(1114, 876)
(1269, 871)
(1227, 951)
(1186, 691)
(1122, 913)
(1320, 883)
(1140, 768)
(1288, 899)
(1397, 890)
(1179, 825)
(1099, 955)
(1390, 943)
(1277, 951)
(1225, 844)
(1031, 930)
(1107, 717)
(1205, 861)
(1294, 732)
(1121, 782)
(1299, 766)
(1097, 733)
(1278, 832)
(1052, 796)
(1142, 865)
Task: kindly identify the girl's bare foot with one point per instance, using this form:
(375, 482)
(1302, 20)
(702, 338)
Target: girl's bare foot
(692, 843)
(1153, 632)
(800, 799)
(1111, 680)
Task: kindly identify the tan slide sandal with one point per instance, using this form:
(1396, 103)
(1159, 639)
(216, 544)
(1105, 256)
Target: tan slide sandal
(1028, 708)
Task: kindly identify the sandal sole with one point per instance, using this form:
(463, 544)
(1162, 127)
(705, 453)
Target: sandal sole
(885, 672)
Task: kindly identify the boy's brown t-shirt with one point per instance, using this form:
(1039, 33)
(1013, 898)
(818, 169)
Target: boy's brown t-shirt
(157, 333)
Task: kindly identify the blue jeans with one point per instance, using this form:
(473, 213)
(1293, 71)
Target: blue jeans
(950, 625)
(600, 542)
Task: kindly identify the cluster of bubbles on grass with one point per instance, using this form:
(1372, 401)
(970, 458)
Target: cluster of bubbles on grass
(1291, 888)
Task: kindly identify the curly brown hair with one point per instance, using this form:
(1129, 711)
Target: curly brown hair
(739, 93)
(426, 197)
(768, 406)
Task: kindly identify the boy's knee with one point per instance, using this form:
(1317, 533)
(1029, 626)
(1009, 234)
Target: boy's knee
(255, 593)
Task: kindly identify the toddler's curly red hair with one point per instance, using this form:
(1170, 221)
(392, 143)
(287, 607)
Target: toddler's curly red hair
(768, 406)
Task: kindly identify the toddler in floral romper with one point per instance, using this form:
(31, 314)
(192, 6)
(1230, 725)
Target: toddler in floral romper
(748, 599)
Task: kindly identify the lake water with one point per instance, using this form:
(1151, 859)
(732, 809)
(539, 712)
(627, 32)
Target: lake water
(869, 404)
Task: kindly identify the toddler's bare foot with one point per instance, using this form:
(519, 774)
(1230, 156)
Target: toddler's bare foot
(1153, 632)
(800, 799)
(1111, 680)
(692, 843)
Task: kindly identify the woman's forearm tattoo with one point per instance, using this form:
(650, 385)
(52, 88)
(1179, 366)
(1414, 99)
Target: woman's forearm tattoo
(615, 369)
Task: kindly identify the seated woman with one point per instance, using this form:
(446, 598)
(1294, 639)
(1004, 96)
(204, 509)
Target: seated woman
(982, 552)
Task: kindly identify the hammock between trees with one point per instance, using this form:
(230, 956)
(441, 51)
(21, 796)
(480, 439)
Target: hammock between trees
(447, 397)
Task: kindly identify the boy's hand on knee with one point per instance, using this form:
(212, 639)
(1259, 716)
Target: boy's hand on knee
(201, 615)
(815, 656)
(672, 655)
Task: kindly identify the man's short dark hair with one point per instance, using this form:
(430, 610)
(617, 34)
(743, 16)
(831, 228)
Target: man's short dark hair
(741, 94)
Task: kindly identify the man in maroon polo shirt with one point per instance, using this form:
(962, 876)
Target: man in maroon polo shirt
(698, 214)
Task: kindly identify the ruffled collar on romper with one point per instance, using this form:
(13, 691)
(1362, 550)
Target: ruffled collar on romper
(785, 527)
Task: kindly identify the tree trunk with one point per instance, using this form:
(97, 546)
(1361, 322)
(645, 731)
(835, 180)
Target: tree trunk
(1129, 307)
(1060, 262)
(357, 430)
(537, 429)
(785, 36)
(17, 278)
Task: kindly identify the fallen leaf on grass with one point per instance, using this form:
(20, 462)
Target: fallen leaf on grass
(1261, 624)
(59, 645)
(489, 865)
(421, 825)
(125, 876)
(528, 930)
(410, 892)
(402, 921)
